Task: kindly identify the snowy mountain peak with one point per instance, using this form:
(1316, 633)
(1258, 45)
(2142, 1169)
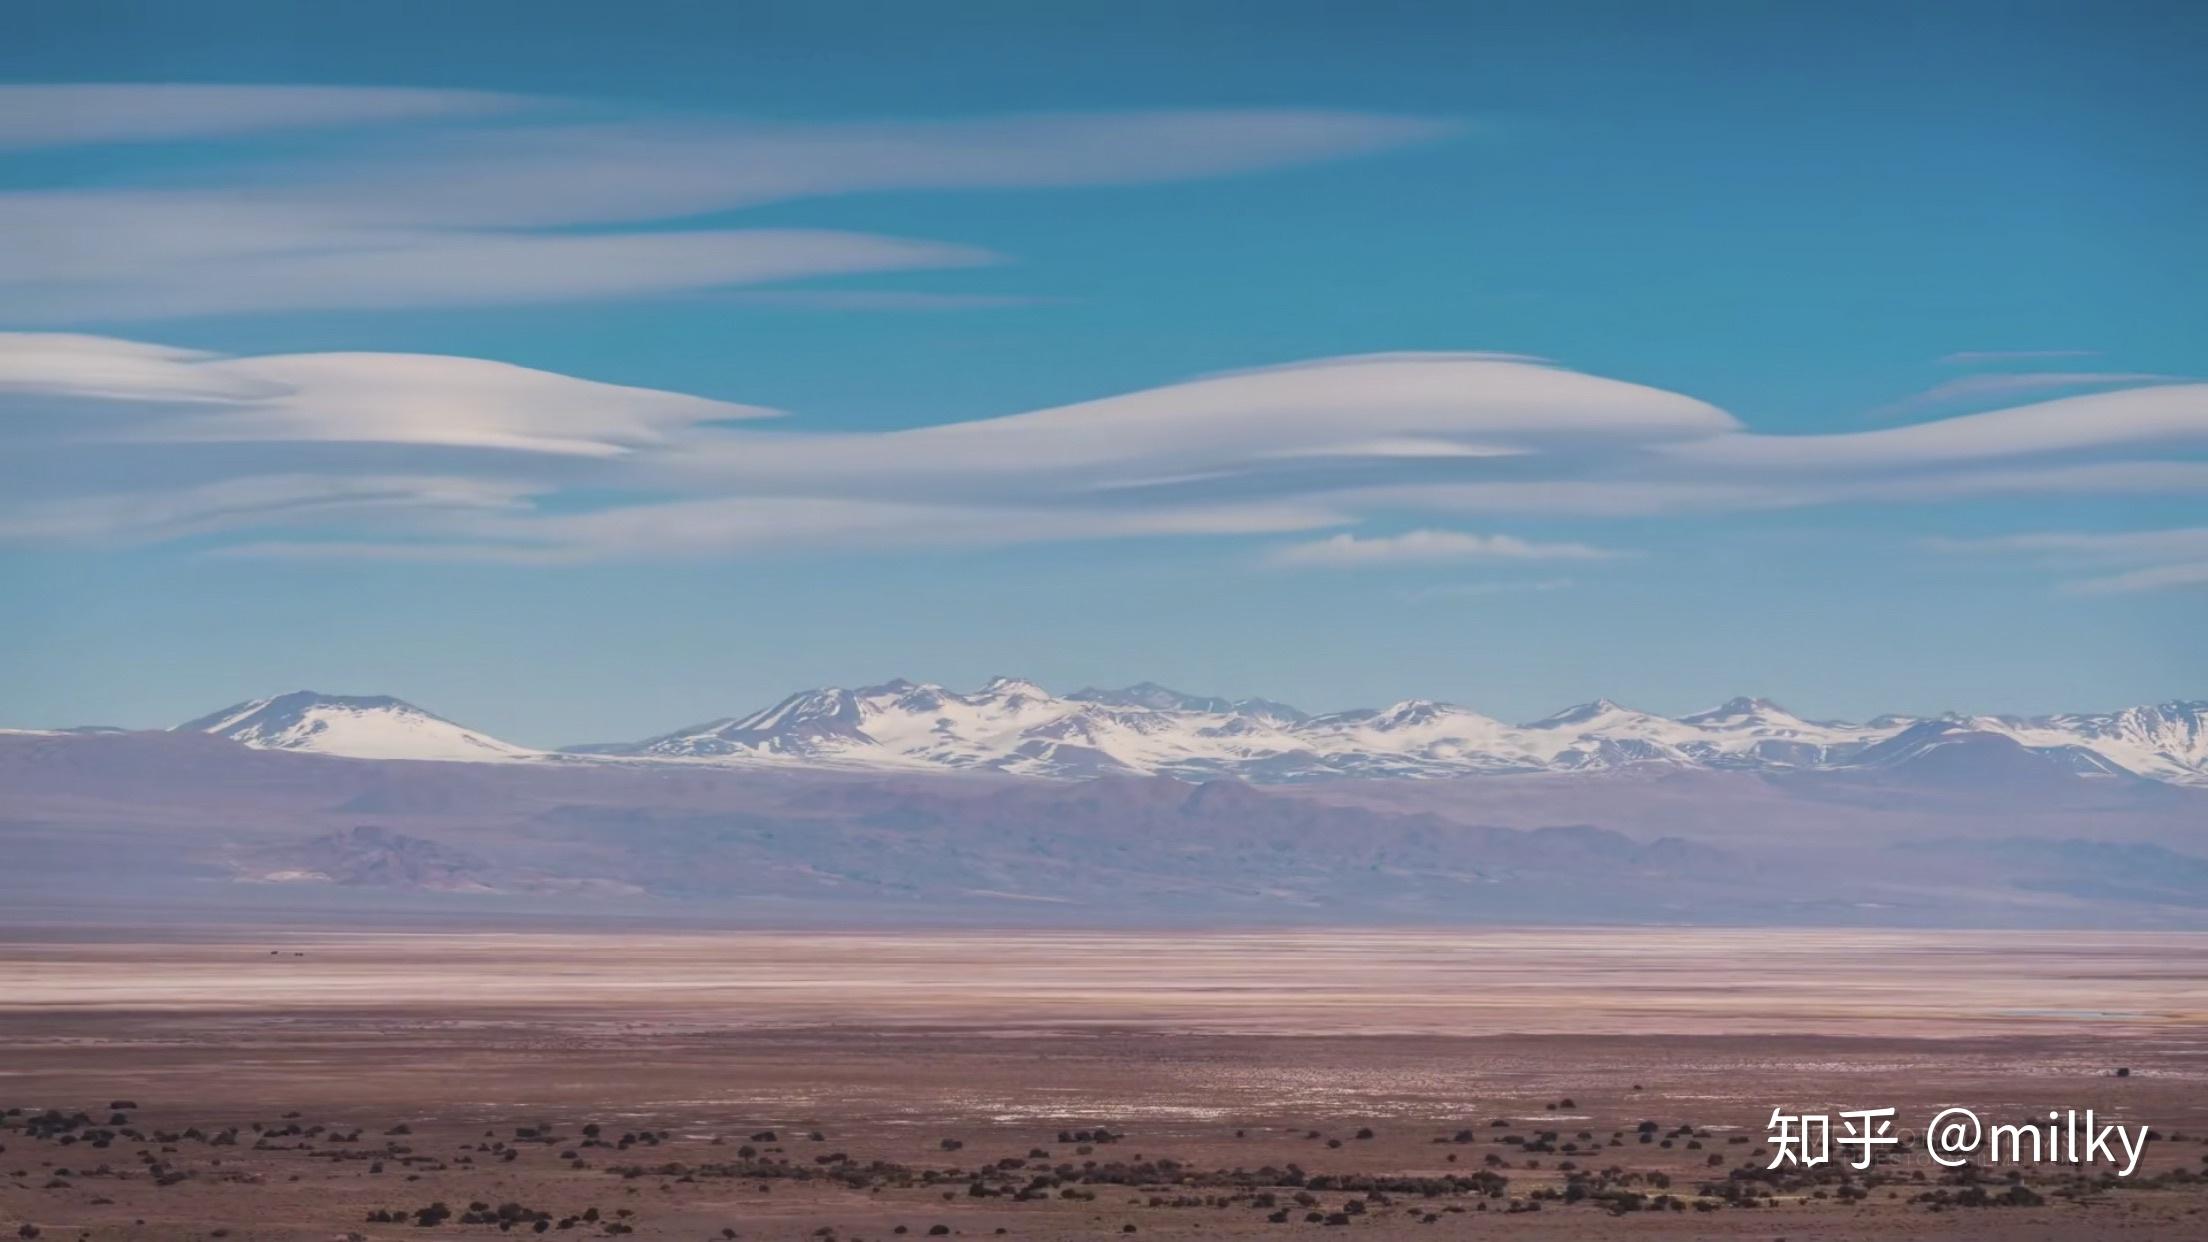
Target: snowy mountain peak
(1413, 712)
(1270, 710)
(1142, 694)
(1013, 688)
(1151, 696)
(1585, 713)
(1740, 709)
(354, 726)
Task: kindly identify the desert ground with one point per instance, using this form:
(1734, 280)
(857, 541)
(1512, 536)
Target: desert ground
(253, 1083)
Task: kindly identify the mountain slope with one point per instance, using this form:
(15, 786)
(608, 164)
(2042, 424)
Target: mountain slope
(162, 822)
(2167, 741)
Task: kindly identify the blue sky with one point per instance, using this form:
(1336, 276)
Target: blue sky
(1848, 355)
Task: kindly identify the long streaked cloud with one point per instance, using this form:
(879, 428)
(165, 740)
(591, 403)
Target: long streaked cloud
(395, 455)
(257, 502)
(1426, 547)
(2145, 560)
(882, 300)
(125, 391)
(2012, 386)
(539, 206)
(372, 270)
(2151, 578)
(2121, 545)
(665, 168)
(1301, 427)
(1644, 490)
(1980, 357)
(1484, 590)
(2131, 418)
(35, 115)
(778, 525)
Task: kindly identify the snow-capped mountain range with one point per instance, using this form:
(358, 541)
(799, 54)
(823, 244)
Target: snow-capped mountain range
(1017, 727)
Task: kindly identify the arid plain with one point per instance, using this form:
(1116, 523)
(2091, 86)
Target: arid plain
(260, 1084)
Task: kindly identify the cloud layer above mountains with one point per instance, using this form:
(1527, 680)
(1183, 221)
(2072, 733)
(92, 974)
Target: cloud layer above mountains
(430, 198)
(396, 455)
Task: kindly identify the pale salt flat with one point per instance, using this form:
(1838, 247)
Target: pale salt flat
(1474, 982)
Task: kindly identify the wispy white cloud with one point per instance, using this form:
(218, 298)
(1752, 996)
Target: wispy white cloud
(884, 300)
(1567, 493)
(1483, 590)
(1426, 547)
(129, 391)
(2121, 545)
(391, 269)
(1630, 489)
(255, 503)
(2168, 414)
(1980, 357)
(1301, 425)
(72, 365)
(2011, 386)
(2153, 578)
(770, 526)
(2107, 478)
(82, 113)
(666, 168)
(2162, 559)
